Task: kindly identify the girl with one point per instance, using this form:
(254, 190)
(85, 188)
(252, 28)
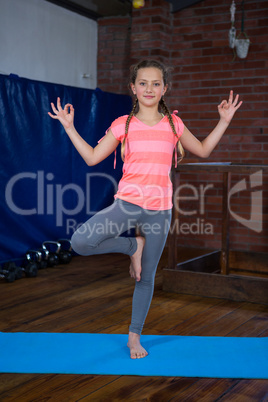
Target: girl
(149, 136)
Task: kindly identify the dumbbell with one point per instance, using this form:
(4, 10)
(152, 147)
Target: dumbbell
(8, 275)
(37, 257)
(47, 258)
(29, 266)
(12, 267)
(53, 247)
(65, 252)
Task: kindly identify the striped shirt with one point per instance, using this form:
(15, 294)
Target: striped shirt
(148, 159)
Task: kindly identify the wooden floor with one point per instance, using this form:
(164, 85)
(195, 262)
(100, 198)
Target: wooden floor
(93, 294)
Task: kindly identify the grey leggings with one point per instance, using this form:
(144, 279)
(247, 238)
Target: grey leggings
(100, 235)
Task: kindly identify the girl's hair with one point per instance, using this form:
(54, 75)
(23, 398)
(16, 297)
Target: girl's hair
(162, 104)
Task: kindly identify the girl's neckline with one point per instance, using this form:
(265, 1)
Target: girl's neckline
(147, 125)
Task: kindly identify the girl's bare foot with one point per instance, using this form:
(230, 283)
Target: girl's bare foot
(136, 350)
(135, 266)
(131, 271)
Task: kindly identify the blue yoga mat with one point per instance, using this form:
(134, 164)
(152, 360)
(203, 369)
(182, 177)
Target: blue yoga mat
(183, 356)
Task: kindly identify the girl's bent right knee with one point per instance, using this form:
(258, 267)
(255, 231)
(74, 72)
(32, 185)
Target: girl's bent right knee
(80, 244)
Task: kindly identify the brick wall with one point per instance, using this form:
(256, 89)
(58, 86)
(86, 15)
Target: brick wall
(194, 42)
(114, 38)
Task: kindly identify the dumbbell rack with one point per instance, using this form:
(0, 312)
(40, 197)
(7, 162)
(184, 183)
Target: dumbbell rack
(50, 254)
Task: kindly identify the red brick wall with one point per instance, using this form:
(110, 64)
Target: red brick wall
(114, 37)
(194, 42)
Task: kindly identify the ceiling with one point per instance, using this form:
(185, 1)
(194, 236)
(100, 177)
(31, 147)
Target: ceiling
(95, 9)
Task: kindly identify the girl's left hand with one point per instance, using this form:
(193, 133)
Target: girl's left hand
(228, 109)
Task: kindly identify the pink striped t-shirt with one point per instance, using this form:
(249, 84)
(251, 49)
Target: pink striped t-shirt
(148, 159)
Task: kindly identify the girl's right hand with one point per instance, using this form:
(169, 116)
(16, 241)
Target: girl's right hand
(65, 116)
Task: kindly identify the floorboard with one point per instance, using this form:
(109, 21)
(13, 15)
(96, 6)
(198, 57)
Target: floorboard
(94, 294)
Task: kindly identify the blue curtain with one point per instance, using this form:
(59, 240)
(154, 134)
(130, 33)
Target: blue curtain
(47, 189)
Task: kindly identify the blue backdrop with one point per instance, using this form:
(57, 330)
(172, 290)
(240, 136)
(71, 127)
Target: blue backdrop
(47, 189)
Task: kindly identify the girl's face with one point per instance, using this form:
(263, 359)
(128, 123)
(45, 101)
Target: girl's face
(149, 86)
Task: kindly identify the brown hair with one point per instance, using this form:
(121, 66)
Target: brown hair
(162, 104)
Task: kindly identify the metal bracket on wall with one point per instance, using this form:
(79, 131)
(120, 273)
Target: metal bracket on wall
(96, 9)
(178, 5)
(76, 8)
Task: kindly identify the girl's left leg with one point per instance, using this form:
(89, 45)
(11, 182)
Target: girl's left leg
(101, 233)
(154, 226)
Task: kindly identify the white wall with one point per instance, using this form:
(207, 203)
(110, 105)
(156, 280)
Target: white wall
(41, 41)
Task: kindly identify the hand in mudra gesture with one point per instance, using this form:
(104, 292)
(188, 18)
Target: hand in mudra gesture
(228, 109)
(65, 116)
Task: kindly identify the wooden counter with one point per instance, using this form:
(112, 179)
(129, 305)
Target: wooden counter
(209, 275)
